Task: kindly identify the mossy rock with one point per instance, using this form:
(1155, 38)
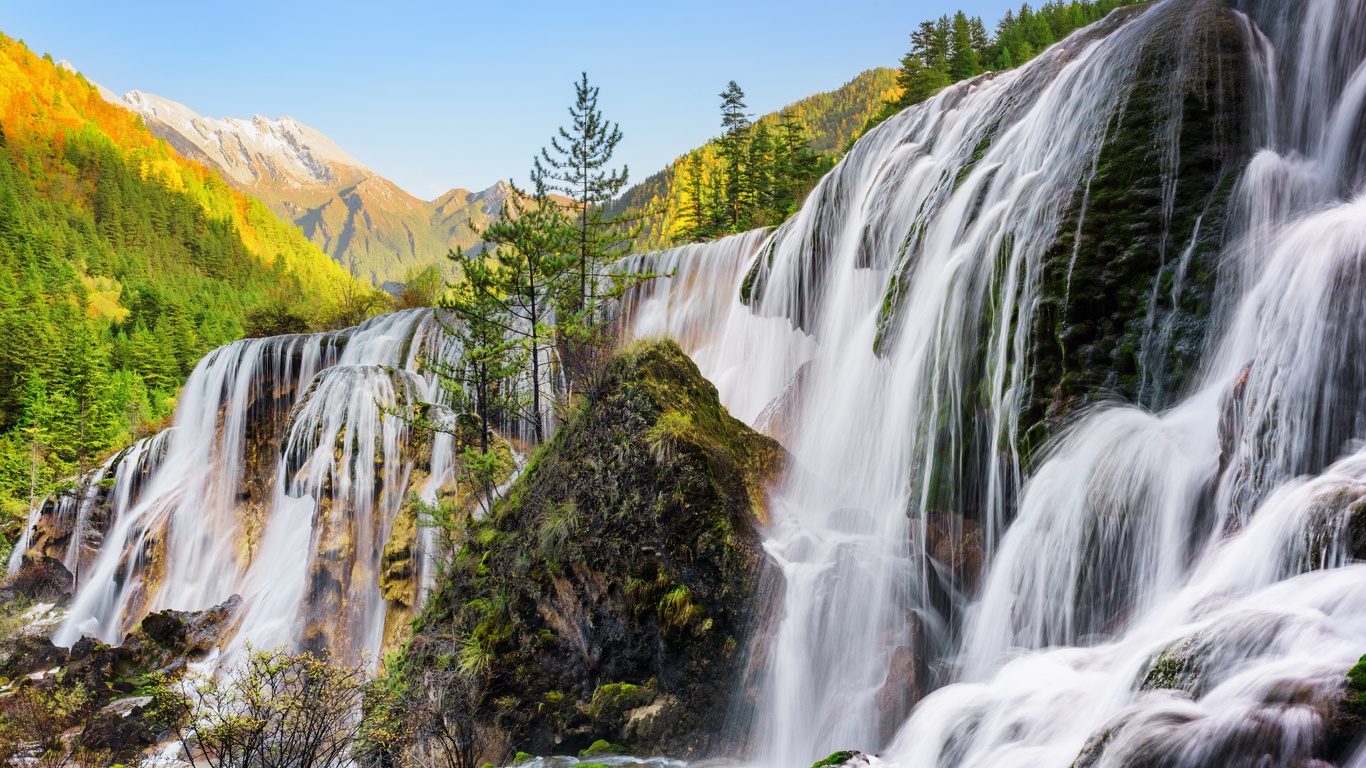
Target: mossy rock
(612, 701)
(1176, 668)
(1127, 288)
(836, 758)
(602, 747)
(609, 594)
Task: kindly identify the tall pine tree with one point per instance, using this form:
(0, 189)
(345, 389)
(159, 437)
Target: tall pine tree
(578, 164)
(736, 186)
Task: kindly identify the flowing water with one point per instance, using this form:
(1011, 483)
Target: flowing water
(1160, 589)
(280, 481)
(1169, 581)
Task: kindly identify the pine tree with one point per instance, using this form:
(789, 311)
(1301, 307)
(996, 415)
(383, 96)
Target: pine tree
(733, 197)
(762, 177)
(528, 239)
(578, 164)
(488, 359)
(963, 63)
(692, 222)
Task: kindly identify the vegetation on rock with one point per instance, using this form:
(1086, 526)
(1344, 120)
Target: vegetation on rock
(608, 595)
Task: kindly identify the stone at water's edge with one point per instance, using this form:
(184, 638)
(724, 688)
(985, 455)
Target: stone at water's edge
(610, 596)
(165, 642)
(837, 759)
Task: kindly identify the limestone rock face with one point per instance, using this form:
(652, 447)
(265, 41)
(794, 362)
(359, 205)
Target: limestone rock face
(610, 595)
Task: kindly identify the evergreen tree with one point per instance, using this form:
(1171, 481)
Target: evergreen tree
(528, 239)
(578, 164)
(692, 224)
(953, 48)
(963, 64)
(799, 168)
(736, 187)
(762, 161)
(477, 381)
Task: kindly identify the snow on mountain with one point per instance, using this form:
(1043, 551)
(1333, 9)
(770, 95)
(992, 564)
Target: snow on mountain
(363, 220)
(255, 151)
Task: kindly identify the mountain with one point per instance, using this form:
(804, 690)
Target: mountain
(366, 222)
(121, 265)
(830, 120)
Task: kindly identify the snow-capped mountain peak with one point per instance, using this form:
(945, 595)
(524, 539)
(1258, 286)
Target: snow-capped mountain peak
(252, 152)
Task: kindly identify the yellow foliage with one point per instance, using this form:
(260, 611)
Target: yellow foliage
(102, 298)
(41, 103)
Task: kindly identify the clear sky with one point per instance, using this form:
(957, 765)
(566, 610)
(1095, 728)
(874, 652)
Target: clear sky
(459, 94)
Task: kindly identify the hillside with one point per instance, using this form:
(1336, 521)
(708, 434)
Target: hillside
(829, 120)
(121, 264)
(366, 223)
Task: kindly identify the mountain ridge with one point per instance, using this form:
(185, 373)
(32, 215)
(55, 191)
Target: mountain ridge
(364, 221)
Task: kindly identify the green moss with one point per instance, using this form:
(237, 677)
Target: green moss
(1111, 321)
(1176, 668)
(628, 553)
(522, 757)
(836, 758)
(611, 702)
(1355, 699)
(602, 747)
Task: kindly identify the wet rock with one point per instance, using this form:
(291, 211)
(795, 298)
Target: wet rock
(602, 747)
(1176, 668)
(1101, 330)
(838, 758)
(652, 723)
(1345, 728)
(28, 655)
(121, 729)
(899, 692)
(41, 579)
(611, 592)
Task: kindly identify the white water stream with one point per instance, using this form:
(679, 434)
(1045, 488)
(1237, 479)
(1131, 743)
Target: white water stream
(280, 482)
(1140, 532)
(886, 339)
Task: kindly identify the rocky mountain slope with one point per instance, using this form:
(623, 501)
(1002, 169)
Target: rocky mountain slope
(367, 223)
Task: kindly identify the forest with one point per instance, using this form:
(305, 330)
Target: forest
(121, 265)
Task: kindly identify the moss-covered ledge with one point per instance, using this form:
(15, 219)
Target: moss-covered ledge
(609, 596)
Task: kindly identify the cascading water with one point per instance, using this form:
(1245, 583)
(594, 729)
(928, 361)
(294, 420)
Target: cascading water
(280, 481)
(1172, 588)
(1159, 589)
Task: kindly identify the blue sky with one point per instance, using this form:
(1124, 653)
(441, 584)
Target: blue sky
(440, 95)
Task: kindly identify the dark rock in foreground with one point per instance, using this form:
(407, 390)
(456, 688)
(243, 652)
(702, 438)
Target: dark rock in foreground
(609, 597)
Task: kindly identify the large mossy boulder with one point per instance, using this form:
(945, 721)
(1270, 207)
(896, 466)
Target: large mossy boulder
(610, 594)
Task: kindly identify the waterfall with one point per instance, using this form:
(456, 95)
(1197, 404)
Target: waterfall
(1068, 363)
(280, 481)
(1167, 579)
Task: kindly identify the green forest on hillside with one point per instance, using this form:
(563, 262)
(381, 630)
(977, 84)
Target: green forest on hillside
(121, 265)
(756, 174)
(825, 123)
(957, 47)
